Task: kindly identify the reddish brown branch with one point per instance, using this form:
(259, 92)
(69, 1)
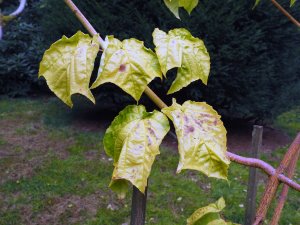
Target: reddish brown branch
(285, 190)
(286, 13)
(273, 181)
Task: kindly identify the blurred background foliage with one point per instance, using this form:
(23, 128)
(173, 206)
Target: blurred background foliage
(254, 53)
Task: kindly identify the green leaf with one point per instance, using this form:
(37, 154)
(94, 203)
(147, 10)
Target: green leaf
(174, 5)
(256, 3)
(119, 186)
(180, 49)
(209, 215)
(133, 141)
(129, 65)
(292, 2)
(188, 5)
(68, 64)
(201, 138)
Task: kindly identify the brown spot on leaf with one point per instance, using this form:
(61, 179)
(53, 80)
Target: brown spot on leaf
(189, 129)
(149, 140)
(215, 122)
(151, 131)
(186, 119)
(199, 122)
(122, 68)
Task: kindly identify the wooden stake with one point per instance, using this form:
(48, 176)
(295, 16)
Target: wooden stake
(273, 182)
(252, 181)
(285, 190)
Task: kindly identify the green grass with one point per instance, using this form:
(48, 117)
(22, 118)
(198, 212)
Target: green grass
(171, 197)
(2, 141)
(86, 140)
(11, 217)
(60, 177)
(289, 121)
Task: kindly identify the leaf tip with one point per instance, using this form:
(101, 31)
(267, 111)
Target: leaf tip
(69, 103)
(94, 85)
(119, 186)
(170, 92)
(92, 99)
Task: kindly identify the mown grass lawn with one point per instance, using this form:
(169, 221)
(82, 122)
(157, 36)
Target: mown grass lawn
(54, 170)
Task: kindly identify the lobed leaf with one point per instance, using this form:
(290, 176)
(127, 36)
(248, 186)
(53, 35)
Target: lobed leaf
(180, 49)
(174, 5)
(68, 64)
(201, 138)
(127, 64)
(133, 141)
(209, 215)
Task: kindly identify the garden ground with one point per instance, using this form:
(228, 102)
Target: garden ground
(53, 170)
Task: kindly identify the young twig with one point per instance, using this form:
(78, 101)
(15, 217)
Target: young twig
(286, 13)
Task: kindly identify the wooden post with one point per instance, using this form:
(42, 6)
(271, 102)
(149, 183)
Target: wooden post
(252, 181)
(138, 207)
